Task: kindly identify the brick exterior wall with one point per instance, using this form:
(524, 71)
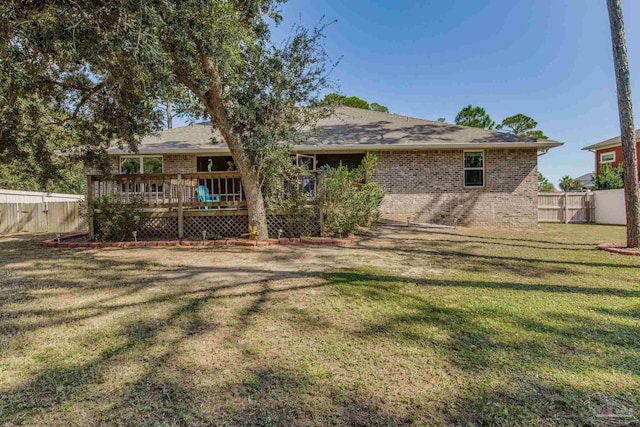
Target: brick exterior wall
(428, 186)
(179, 163)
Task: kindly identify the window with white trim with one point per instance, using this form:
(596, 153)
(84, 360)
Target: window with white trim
(474, 168)
(608, 157)
(141, 164)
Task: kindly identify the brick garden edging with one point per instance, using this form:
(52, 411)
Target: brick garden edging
(618, 249)
(53, 243)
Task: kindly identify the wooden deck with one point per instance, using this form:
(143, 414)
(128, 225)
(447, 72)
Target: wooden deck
(170, 191)
(172, 202)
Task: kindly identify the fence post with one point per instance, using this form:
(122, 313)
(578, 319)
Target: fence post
(566, 208)
(587, 208)
(92, 225)
(180, 209)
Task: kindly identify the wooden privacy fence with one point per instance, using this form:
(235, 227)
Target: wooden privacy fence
(566, 207)
(63, 217)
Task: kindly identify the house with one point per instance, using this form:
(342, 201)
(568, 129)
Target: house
(588, 181)
(433, 172)
(609, 152)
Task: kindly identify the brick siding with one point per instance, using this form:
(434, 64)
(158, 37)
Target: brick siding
(428, 186)
(179, 163)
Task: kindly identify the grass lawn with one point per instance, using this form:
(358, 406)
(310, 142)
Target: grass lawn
(408, 326)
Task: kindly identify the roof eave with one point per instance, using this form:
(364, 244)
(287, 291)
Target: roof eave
(357, 148)
(425, 147)
(601, 147)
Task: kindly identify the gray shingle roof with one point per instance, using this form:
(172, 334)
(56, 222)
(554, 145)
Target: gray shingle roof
(351, 129)
(609, 142)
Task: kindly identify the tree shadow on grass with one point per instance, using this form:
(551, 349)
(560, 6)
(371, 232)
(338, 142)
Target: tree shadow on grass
(273, 394)
(472, 344)
(463, 233)
(491, 260)
(515, 395)
(537, 402)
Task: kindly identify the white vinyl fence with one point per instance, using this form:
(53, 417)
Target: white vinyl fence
(610, 207)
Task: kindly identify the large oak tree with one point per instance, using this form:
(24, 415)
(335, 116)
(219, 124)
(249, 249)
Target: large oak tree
(102, 68)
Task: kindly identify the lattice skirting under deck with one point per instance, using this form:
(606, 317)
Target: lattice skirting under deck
(223, 225)
(292, 227)
(158, 227)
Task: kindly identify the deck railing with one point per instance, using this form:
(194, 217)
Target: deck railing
(189, 191)
(181, 196)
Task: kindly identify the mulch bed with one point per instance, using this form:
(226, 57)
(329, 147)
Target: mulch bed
(81, 241)
(619, 249)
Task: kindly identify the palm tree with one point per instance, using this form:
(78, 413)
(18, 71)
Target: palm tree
(570, 184)
(627, 131)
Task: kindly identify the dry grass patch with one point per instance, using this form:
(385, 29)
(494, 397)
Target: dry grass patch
(409, 326)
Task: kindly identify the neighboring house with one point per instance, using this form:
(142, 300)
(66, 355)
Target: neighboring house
(433, 172)
(609, 152)
(588, 181)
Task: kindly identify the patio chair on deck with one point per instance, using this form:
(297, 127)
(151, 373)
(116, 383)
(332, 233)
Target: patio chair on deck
(205, 196)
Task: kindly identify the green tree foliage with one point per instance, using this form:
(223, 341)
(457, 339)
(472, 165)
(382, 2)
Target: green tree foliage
(475, 117)
(97, 70)
(610, 178)
(521, 125)
(64, 176)
(544, 186)
(347, 203)
(441, 120)
(337, 100)
(374, 106)
(570, 184)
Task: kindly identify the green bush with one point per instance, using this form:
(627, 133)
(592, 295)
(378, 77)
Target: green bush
(115, 219)
(609, 178)
(345, 202)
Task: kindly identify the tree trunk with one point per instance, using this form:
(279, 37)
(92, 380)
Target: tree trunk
(250, 182)
(169, 115)
(214, 103)
(252, 191)
(627, 130)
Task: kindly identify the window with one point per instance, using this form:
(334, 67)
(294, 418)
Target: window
(141, 164)
(474, 169)
(608, 157)
(307, 161)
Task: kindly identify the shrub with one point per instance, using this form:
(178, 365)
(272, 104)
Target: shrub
(285, 195)
(609, 178)
(116, 219)
(345, 202)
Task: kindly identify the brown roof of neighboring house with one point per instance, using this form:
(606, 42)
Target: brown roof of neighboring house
(351, 129)
(611, 142)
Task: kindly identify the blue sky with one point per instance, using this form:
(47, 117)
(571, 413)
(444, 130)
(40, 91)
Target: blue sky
(549, 59)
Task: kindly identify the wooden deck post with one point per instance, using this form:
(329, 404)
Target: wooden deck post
(566, 208)
(92, 225)
(180, 209)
